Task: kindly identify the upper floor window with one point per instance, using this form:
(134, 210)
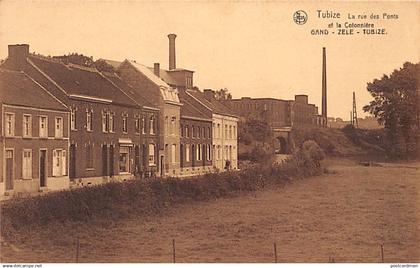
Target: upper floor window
(73, 118)
(218, 131)
(143, 125)
(230, 132)
(89, 120)
(10, 124)
(198, 132)
(111, 122)
(105, 121)
(234, 131)
(137, 125)
(208, 132)
(58, 127)
(226, 131)
(27, 125)
(193, 131)
(125, 124)
(152, 125)
(173, 125)
(187, 132)
(43, 126)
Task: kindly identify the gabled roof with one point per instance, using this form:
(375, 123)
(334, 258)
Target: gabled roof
(190, 110)
(17, 88)
(80, 81)
(149, 74)
(127, 89)
(214, 105)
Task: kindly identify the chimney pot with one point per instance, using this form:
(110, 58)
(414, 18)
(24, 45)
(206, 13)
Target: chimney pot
(156, 69)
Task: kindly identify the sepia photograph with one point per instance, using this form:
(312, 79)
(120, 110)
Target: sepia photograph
(221, 132)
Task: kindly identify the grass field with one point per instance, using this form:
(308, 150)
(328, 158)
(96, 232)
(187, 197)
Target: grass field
(345, 215)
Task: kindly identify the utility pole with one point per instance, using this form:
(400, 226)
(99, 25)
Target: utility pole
(354, 113)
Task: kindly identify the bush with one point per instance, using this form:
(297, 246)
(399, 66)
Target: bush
(142, 197)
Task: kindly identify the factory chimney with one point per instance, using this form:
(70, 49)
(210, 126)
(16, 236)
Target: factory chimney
(324, 85)
(172, 58)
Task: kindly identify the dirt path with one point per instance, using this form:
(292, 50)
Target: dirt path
(346, 215)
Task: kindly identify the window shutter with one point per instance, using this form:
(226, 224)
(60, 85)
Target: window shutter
(64, 163)
(54, 162)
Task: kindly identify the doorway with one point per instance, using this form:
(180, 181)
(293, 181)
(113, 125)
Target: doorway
(104, 160)
(9, 169)
(42, 165)
(72, 174)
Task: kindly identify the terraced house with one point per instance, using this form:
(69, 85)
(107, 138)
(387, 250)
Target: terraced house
(107, 140)
(34, 138)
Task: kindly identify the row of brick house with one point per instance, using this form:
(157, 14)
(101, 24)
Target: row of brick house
(64, 124)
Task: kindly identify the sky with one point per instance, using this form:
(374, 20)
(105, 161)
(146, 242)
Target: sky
(252, 48)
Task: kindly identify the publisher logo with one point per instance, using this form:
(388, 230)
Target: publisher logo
(300, 17)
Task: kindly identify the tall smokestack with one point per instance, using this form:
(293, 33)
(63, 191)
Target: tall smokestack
(172, 58)
(324, 84)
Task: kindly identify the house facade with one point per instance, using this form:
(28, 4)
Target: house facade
(166, 99)
(106, 138)
(34, 140)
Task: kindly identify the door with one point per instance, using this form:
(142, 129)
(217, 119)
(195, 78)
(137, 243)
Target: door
(111, 160)
(72, 161)
(162, 165)
(137, 160)
(42, 165)
(104, 160)
(9, 169)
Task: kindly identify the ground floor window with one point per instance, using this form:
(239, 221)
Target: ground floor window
(59, 163)
(152, 161)
(173, 153)
(187, 153)
(208, 152)
(27, 164)
(124, 159)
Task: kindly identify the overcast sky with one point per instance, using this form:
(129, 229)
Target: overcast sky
(253, 49)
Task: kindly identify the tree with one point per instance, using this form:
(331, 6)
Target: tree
(396, 105)
(222, 94)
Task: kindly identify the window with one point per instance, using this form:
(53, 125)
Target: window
(104, 122)
(187, 132)
(173, 153)
(152, 125)
(152, 155)
(173, 125)
(218, 153)
(226, 131)
(58, 127)
(209, 133)
(166, 124)
(10, 124)
(111, 122)
(143, 125)
(234, 132)
(125, 124)
(230, 132)
(43, 127)
(181, 130)
(204, 132)
(137, 125)
(27, 164)
(89, 120)
(214, 129)
(27, 125)
(187, 153)
(89, 156)
(198, 150)
(208, 152)
(73, 118)
(193, 131)
(198, 132)
(124, 159)
(218, 131)
(59, 163)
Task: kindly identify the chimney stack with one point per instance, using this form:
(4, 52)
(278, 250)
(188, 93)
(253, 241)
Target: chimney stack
(156, 69)
(18, 54)
(324, 85)
(172, 58)
(209, 94)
